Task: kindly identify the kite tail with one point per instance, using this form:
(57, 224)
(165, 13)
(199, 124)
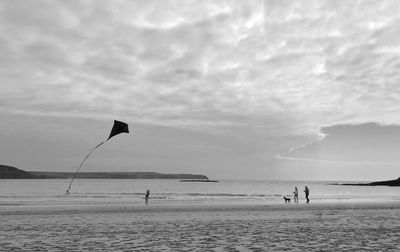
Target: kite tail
(86, 157)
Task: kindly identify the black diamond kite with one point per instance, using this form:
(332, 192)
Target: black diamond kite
(118, 127)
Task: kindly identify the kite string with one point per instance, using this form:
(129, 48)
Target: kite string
(86, 157)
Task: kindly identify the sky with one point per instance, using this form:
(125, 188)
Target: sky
(273, 89)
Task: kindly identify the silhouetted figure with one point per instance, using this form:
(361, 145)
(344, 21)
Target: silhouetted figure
(296, 195)
(146, 197)
(307, 192)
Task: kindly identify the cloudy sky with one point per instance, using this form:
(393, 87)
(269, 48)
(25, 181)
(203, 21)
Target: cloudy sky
(230, 89)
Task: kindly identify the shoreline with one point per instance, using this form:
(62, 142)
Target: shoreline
(192, 207)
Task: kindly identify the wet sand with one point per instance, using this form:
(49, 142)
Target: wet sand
(291, 227)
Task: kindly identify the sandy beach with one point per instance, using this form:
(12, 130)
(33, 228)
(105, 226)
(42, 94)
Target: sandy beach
(190, 227)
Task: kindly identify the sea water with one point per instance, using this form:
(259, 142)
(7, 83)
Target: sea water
(169, 191)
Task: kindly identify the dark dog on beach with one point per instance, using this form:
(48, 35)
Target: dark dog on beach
(287, 200)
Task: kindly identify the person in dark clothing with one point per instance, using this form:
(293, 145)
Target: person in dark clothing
(146, 197)
(307, 192)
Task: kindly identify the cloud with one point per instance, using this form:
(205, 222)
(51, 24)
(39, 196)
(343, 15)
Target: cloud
(365, 144)
(284, 67)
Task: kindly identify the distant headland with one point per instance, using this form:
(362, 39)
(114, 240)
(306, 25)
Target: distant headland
(198, 180)
(9, 172)
(395, 182)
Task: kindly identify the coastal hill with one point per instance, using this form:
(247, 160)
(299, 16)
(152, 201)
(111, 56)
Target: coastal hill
(9, 172)
(395, 182)
(115, 175)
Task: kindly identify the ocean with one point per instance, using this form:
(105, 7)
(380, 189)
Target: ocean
(45, 192)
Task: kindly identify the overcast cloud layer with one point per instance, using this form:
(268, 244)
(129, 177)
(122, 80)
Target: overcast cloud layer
(270, 68)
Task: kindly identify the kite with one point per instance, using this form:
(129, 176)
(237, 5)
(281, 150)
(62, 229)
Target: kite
(118, 127)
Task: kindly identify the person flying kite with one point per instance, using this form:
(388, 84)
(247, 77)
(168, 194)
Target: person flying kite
(118, 127)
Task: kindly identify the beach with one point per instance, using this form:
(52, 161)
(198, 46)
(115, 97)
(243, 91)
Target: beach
(203, 227)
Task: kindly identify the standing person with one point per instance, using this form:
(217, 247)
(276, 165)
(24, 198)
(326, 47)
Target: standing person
(296, 195)
(146, 197)
(307, 192)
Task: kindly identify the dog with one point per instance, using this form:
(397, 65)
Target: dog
(287, 200)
